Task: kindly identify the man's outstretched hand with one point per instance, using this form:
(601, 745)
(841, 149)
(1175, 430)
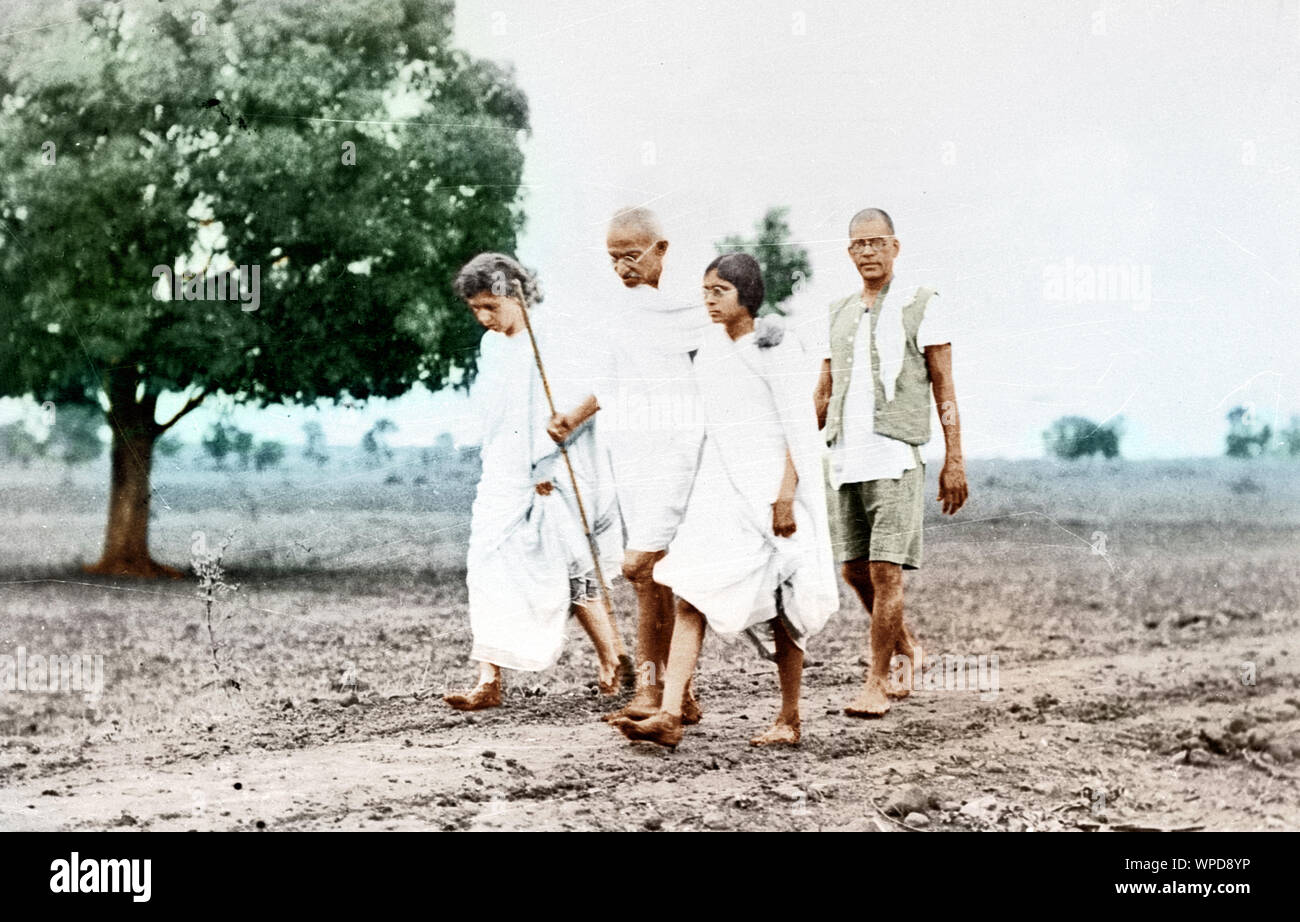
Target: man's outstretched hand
(952, 487)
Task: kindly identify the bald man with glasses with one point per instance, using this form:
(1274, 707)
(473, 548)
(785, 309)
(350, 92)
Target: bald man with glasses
(889, 349)
(644, 390)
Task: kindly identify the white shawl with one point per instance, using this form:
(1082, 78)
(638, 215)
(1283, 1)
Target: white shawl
(789, 376)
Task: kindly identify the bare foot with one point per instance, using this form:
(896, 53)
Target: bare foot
(691, 712)
(781, 733)
(661, 727)
(911, 672)
(644, 703)
(609, 678)
(482, 697)
(872, 701)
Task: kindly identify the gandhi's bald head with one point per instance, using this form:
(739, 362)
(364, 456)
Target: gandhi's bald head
(636, 245)
(636, 221)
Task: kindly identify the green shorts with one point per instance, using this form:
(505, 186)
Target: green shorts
(879, 519)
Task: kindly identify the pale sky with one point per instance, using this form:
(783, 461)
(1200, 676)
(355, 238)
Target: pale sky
(1025, 151)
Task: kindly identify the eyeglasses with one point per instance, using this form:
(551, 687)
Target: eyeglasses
(875, 244)
(717, 292)
(633, 256)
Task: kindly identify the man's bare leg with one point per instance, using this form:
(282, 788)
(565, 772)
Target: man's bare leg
(486, 694)
(886, 630)
(665, 725)
(909, 648)
(667, 618)
(858, 575)
(661, 642)
(789, 667)
(596, 622)
(691, 712)
(653, 633)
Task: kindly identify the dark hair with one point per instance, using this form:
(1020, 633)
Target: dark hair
(741, 270)
(867, 214)
(496, 273)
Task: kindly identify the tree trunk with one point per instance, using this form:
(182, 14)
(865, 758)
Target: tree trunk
(126, 540)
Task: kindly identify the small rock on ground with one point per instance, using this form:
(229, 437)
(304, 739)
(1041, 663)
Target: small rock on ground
(907, 799)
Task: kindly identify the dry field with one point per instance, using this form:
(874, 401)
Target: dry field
(1145, 619)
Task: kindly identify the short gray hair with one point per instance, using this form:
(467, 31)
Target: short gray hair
(638, 219)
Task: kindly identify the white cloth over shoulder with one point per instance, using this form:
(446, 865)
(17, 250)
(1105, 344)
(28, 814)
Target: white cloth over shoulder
(524, 548)
(640, 356)
(861, 454)
(726, 560)
(891, 337)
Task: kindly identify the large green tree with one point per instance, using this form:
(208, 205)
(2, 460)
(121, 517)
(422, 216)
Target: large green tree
(785, 264)
(343, 149)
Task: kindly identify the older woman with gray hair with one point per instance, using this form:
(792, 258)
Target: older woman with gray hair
(529, 562)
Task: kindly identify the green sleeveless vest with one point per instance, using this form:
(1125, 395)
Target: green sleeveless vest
(907, 416)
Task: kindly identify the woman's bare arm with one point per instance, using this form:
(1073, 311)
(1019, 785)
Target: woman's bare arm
(563, 425)
(783, 509)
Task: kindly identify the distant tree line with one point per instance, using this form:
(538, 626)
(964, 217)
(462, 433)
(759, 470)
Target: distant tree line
(73, 438)
(1249, 438)
(224, 440)
(1074, 437)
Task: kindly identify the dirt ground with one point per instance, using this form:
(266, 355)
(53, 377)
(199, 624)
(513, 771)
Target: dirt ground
(1145, 621)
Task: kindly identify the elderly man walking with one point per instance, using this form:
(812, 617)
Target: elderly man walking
(640, 360)
(889, 347)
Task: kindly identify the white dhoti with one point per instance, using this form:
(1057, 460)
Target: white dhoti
(655, 471)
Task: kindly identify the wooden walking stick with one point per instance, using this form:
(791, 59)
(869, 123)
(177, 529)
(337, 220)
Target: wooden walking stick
(573, 477)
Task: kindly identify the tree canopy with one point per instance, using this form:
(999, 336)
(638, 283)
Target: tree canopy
(340, 152)
(1246, 438)
(786, 266)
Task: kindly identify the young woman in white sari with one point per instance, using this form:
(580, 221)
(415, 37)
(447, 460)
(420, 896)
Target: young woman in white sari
(753, 552)
(529, 563)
